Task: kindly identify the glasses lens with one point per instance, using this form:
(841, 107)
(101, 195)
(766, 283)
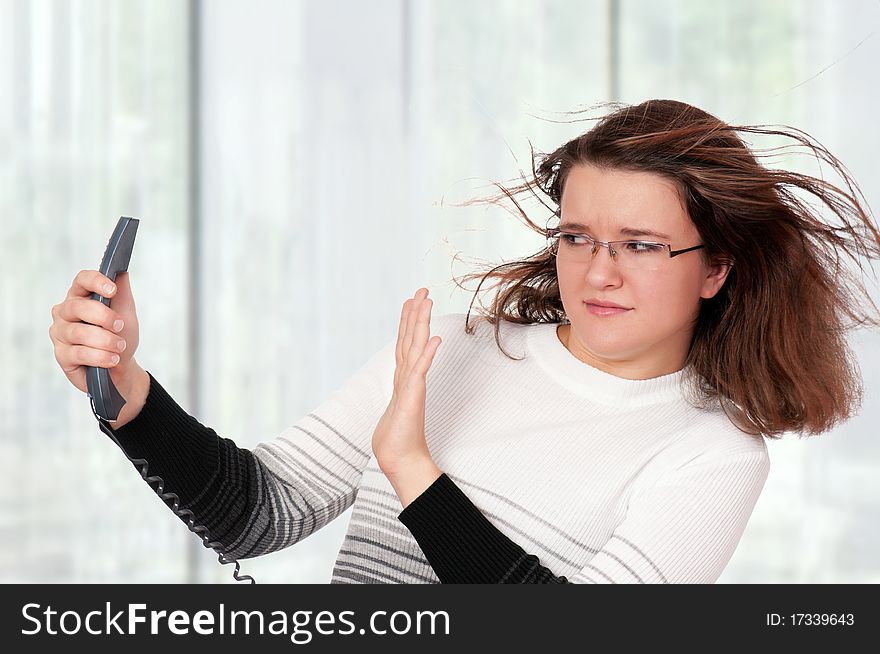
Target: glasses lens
(640, 255)
(553, 244)
(629, 255)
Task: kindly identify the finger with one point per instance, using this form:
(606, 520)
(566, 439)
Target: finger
(411, 319)
(79, 333)
(427, 357)
(401, 330)
(80, 309)
(421, 331)
(87, 282)
(86, 356)
(399, 359)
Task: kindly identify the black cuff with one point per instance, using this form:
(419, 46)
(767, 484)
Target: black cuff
(459, 542)
(462, 546)
(212, 477)
(176, 446)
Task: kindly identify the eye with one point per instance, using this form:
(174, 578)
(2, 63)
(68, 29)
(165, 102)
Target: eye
(641, 247)
(574, 239)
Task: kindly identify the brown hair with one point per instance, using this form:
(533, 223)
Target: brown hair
(770, 346)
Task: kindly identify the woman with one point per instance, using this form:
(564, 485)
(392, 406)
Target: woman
(624, 445)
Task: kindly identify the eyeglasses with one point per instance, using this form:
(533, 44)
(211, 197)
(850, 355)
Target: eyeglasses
(638, 256)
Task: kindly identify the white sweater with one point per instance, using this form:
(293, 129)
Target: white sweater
(606, 480)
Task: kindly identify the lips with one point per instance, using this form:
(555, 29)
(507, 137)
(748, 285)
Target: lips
(600, 310)
(605, 303)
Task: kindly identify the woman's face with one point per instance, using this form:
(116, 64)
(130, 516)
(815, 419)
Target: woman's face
(653, 336)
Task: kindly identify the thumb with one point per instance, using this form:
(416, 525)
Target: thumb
(123, 300)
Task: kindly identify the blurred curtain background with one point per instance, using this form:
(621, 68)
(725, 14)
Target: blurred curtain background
(294, 166)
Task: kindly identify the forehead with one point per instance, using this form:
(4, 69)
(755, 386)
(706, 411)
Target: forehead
(610, 200)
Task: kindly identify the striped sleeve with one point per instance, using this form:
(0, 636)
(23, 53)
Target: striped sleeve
(260, 501)
(683, 528)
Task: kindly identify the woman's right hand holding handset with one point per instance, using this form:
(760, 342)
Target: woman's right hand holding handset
(86, 333)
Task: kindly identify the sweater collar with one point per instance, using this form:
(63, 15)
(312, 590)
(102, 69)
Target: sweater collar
(583, 379)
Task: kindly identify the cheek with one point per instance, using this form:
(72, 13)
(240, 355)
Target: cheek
(663, 305)
(571, 291)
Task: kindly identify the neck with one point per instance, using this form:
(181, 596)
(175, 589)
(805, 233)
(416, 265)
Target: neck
(625, 369)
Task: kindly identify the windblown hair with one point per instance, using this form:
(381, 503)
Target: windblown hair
(770, 347)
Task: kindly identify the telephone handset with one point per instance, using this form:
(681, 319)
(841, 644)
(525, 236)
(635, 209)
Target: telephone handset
(106, 401)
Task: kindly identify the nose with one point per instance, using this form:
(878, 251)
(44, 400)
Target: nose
(603, 270)
(602, 246)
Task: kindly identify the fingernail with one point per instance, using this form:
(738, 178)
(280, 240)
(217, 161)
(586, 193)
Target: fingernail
(115, 358)
(117, 326)
(109, 288)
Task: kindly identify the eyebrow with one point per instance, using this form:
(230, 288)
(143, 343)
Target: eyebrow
(627, 231)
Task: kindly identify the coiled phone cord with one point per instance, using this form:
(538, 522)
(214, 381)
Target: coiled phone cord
(142, 466)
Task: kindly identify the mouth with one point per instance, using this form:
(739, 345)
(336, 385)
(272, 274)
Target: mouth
(599, 310)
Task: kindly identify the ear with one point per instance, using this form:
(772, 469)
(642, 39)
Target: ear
(716, 275)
